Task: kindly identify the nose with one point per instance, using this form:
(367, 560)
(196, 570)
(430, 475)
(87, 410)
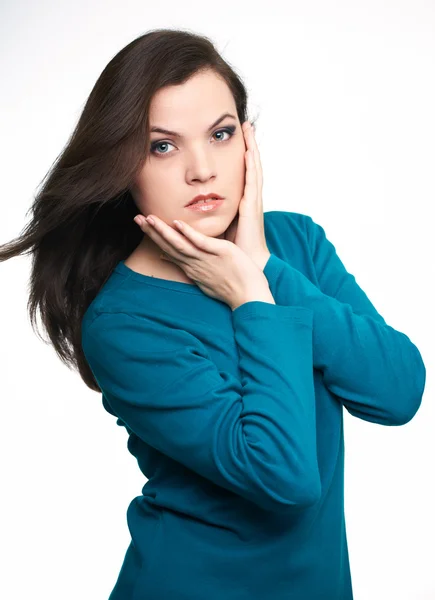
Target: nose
(201, 166)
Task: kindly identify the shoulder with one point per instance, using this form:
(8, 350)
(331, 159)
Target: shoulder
(286, 221)
(291, 231)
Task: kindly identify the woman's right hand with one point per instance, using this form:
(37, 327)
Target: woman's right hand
(220, 268)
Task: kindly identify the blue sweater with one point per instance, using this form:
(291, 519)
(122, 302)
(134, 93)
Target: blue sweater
(236, 420)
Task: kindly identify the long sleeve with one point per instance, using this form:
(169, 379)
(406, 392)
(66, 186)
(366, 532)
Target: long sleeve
(375, 370)
(255, 436)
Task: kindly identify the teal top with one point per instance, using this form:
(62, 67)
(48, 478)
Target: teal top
(236, 420)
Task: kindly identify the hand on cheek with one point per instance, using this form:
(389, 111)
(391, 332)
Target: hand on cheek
(248, 233)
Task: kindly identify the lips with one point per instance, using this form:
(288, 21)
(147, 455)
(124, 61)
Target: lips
(205, 207)
(204, 197)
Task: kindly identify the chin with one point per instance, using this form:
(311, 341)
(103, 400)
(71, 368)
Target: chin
(213, 227)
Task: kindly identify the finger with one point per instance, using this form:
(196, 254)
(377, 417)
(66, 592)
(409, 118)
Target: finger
(257, 162)
(201, 241)
(169, 240)
(252, 144)
(245, 128)
(251, 164)
(251, 177)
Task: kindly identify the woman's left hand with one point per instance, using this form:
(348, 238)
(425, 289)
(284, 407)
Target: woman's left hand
(247, 228)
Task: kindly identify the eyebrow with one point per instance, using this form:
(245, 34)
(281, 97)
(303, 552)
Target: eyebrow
(178, 135)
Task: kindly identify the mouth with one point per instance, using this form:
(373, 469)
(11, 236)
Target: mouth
(205, 205)
(200, 197)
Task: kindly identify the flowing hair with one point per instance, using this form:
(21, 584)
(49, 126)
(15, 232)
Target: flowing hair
(82, 217)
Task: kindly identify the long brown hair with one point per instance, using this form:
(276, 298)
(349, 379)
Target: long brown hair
(82, 218)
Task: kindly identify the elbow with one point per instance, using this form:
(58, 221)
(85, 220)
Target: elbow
(414, 395)
(305, 497)
(407, 416)
(309, 495)
(294, 496)
(403, 415)
(399, 400)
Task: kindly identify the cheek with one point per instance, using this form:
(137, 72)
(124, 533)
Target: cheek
(234, 162)
(155, 182)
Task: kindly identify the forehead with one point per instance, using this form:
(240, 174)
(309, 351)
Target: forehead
(192, 106)
(176, 134)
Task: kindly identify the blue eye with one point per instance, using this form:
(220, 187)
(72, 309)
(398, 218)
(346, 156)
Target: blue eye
(230, 130)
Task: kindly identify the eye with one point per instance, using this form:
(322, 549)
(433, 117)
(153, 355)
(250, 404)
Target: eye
(153, 148)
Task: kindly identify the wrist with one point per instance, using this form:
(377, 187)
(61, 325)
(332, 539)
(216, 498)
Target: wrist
(262, 259)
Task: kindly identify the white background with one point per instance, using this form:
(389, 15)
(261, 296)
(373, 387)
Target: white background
(345, 95)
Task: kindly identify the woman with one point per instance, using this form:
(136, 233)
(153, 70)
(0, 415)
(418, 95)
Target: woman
(227, 347)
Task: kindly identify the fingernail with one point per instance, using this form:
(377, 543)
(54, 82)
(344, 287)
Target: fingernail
(150, 220)
(139, 220)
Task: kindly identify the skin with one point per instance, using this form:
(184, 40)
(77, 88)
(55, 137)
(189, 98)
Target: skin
(199, 162)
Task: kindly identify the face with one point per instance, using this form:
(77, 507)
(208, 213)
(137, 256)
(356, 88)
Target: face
(197, 161)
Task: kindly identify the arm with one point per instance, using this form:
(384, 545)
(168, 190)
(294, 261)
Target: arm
(376, 371)
(255, 437)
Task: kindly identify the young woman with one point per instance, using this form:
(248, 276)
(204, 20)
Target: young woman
(227, 346)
